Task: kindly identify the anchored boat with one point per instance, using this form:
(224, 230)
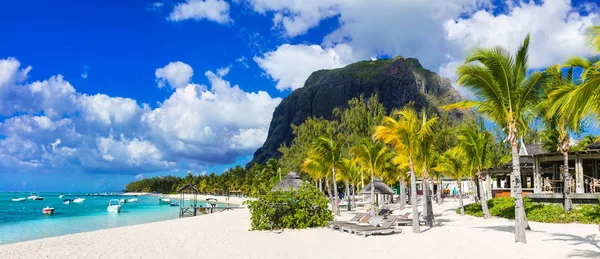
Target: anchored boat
(79, 200)
(48, 211)
(114, 206)
(19, 199)
(164, 201)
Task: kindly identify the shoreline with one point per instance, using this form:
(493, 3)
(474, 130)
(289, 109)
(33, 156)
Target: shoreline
(227, 235)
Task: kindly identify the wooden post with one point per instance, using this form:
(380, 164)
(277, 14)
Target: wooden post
(537, 176)
(579, 174)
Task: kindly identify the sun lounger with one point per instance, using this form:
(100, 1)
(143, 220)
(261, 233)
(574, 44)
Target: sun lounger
(355, 219)
(387, 227)
(407, 221)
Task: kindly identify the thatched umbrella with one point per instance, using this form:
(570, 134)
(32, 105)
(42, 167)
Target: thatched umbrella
(380, 188)
(290, 181)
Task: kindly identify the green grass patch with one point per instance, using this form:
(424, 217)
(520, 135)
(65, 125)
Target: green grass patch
(538, 212)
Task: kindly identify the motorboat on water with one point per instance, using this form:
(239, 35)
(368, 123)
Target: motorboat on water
(132, 200)
(175, 204)
(122, 201)
(60, 196)
(19, 199)
(164, 201)
(48, 211)
(114, 206)
(67, 201)
(35, 198)
(78, 200)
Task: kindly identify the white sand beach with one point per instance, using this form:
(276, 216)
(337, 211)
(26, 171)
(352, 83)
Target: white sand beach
(226, 235)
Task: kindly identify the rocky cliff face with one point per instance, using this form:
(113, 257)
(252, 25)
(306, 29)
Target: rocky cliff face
(397, 82)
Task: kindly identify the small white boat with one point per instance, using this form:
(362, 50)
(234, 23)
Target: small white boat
(36, 198)
(114, 206)
(67, 201)
(122, 201)
(32, 197)
(48, 211)
(19, 199)
(79, 200)
(60, 196)
(164, 201)
(132, 200)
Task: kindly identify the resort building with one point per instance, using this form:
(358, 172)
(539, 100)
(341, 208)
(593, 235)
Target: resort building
(541, 175)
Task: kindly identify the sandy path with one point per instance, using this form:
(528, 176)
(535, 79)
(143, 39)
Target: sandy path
(226, 235)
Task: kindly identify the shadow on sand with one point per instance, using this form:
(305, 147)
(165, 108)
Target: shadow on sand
(575, 240)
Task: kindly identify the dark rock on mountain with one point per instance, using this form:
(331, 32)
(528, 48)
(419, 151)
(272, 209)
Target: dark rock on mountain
(397, 82)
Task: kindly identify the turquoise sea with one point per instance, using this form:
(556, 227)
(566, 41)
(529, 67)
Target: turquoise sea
(20, 221)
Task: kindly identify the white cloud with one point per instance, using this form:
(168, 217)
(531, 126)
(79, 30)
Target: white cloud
(176, 74)
(290, 65)
(556, 29)
(50, 126)
(84, 75)
(139, 177)
(212, 10)
(198, 122)
(438, 33)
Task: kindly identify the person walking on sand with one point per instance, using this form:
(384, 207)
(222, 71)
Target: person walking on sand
(454, 193)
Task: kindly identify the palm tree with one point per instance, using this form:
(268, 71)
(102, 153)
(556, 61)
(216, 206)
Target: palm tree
(327, 154)
(425, 155)
(559, 127)
(474, 141)
(370, 156)
(505, 94)
(402, 166)
(583, 100)
(453, 164)
(349, 171)
(404, 135)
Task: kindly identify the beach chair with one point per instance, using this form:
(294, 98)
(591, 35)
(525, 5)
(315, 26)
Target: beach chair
(386, 226)
(333, 224)
(407, 220)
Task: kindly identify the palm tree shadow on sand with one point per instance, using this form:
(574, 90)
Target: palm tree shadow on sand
(575, 240)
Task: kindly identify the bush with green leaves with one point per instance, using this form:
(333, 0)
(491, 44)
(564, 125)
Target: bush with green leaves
(538, 212)
(304, 208)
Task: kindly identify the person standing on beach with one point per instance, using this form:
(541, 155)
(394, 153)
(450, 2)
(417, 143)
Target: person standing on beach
(454, 193)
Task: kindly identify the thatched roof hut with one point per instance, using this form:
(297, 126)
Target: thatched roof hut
(380, 188)
(290, 181)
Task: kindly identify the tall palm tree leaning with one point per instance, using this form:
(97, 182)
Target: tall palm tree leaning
(371, 156)
(474, 141)
(327, 153)
(505, 94)
(403, 134)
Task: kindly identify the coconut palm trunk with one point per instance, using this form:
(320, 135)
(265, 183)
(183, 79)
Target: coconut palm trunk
(335, 191)
(428, 203)
(348, 196)
(416, 228)
(567, 204)
(460, 195)
(372, 192)
(439, 191)
(320, 185)
(484, 207)
(520, 218)
(329, 194)
(402, 195)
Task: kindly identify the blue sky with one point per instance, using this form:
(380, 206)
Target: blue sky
(95, 94)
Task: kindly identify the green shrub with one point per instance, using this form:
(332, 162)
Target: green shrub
(304, 208)
(538, 212)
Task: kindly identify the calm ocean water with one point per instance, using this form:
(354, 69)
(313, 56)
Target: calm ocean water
(20, 221)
